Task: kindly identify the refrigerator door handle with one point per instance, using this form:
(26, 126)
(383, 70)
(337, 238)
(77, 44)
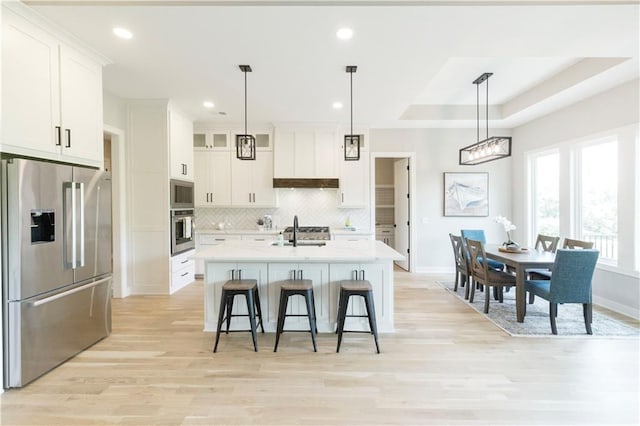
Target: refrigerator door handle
(77, 224)
(80, 188)
(69, 230)
(67, 293)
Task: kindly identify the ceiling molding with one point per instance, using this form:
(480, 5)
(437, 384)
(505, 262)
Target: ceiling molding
(316, 3)
(575, 74)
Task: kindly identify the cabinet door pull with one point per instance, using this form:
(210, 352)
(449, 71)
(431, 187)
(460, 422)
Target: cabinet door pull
(59, 135)
(186, 273)
(249, 197)
(362, 272)
(211, 196)
(68, 132)
(207, 197)
(300, 273)
(239, 274)
(185, 261)
(293, 274)
(254, 197)
(354, 274)
(343, 197)
(233, 274)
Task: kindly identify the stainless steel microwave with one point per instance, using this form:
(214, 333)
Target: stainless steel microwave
(181, 194)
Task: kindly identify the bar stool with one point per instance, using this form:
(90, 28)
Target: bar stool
(230, 289)
(297, 287)
(362, 288)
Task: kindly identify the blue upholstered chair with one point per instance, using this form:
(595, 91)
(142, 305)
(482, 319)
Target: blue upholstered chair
(545, 274)
(570, 283)
(478, 235)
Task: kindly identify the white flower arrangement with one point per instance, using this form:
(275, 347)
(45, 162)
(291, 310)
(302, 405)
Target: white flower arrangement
(507, 225)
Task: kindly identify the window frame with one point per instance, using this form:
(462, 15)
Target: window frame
(577, 149)
(531, 189)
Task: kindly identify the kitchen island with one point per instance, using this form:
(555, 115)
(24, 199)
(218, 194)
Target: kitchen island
(325, 265)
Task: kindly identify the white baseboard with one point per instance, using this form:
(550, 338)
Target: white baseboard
(617, 307)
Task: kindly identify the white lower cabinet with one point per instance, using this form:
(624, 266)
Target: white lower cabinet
(326, 279)
(182, 270)
(379, 277)
(259, 237)
(220, 273)
(386, 234)
(318, 273)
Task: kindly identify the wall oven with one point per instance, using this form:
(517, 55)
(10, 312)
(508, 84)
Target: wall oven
(181, 194)
(182, 235)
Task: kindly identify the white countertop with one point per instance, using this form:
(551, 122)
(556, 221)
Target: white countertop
(340, 231)
(236, 231)
(263, 251)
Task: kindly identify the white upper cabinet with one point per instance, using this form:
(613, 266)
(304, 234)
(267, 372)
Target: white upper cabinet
(354, 183)
(212, 178)
(215, 140)
(305, 153)
(354, 177)
(180, 146)
(264, 141)
(252, 181)
(51, 96)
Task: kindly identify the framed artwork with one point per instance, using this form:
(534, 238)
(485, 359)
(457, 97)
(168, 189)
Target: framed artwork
(466, 194)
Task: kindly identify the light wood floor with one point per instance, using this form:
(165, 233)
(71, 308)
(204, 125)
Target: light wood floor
(444, 365)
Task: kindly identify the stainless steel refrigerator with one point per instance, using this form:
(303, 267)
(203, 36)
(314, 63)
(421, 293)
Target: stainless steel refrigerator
(56, 264)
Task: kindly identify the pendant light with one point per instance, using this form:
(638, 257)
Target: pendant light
(491, 148)
(245, 143)
(351, 141)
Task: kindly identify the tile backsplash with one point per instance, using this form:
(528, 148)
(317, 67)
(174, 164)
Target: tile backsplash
(314, 207)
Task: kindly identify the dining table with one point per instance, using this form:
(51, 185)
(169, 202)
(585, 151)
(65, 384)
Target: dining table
(520, 261)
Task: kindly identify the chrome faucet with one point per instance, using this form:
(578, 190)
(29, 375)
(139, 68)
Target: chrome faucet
(295, 231)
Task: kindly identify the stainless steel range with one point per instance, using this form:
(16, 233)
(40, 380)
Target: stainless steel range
(308, 233)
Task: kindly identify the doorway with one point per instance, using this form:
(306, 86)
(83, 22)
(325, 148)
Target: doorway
(392, 183)
(114, 162)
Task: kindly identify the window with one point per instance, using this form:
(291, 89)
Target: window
(546, 194)
(597, 187)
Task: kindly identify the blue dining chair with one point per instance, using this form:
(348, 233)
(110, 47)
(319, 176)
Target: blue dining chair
(570, 283)
(478, 235)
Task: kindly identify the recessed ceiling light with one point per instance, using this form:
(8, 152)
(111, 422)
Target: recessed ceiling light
(344, 33)
(337, 105)
(122, 33)
(208, 104)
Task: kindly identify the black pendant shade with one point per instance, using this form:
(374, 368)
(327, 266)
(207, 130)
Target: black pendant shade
(491, 148)
(246, 143)
(351, 141)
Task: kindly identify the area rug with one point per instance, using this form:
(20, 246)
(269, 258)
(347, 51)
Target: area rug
(536, 322)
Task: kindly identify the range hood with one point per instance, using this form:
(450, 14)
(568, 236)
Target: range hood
(305, 183)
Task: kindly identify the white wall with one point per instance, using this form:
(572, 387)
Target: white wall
(114, 111)
(437, 152)
(615, 112)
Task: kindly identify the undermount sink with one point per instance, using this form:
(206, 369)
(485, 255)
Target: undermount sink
(303, 243)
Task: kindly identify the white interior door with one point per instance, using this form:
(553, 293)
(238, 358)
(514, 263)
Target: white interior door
(401, 181)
